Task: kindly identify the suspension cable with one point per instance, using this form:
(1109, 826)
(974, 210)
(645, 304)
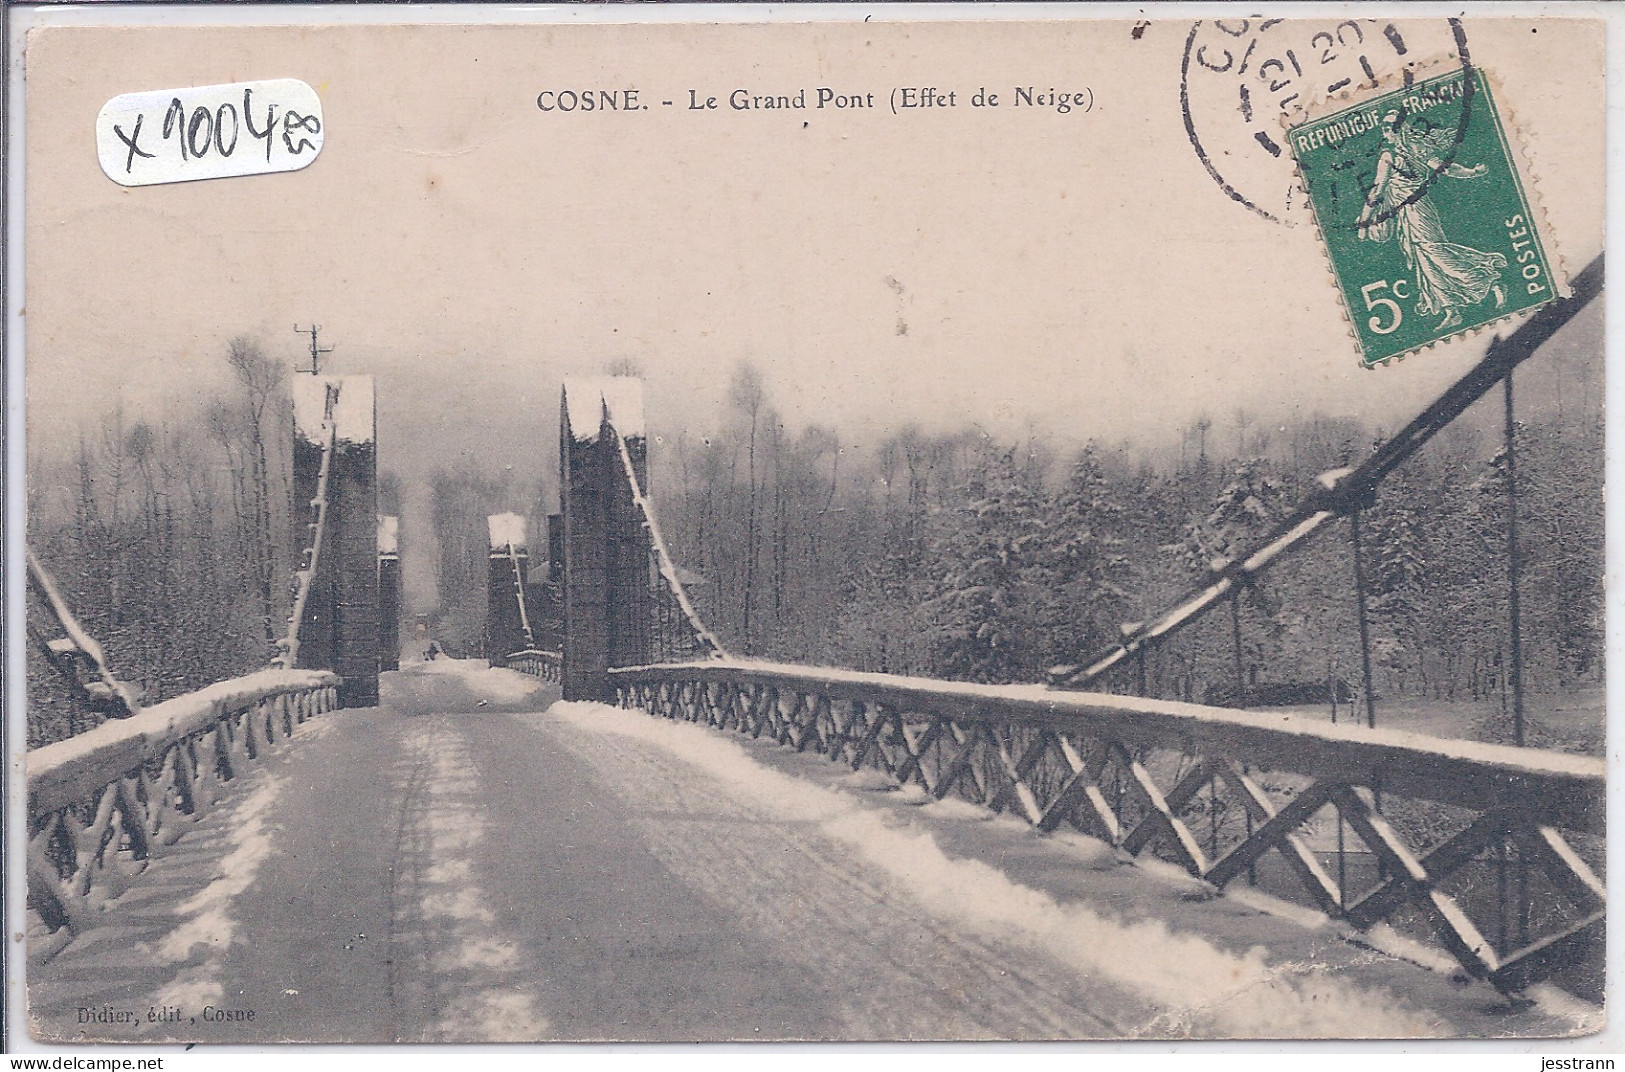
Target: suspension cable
(289, 659)
(663, 560)
(519, 593)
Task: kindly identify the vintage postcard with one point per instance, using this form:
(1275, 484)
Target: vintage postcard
(1018, 526)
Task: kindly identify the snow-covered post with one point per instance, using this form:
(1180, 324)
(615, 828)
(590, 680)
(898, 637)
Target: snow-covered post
(389, 593)
(605, 541)
(507, 618)
(339, 630)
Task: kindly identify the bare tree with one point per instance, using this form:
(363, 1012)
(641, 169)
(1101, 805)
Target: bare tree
(262, 380)
(747, 395)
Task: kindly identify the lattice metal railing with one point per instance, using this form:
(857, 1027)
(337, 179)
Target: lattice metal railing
(103, 803)
(1289, 804)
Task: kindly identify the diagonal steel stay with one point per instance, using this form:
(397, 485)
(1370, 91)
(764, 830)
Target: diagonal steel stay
(1456, 931)
(1326, 894)
(1016, 771)
(1343, 491)
(1436, 864)
(1539, 959)
(963, 763)
(1185, 789)
(1082, 785)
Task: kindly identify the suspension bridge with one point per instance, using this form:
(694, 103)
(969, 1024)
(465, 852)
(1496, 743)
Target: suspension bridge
(614, 828)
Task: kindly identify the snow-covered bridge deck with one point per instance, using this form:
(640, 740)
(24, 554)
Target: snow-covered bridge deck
(472, 861)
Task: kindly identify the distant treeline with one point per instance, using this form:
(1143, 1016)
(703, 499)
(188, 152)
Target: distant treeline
(171, 539)
(951, 555)
(961, 556)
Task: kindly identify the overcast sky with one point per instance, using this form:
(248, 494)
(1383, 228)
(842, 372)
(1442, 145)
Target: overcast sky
(1006, 265)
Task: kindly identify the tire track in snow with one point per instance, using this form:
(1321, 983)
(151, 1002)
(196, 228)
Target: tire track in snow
(455, 977)
(891, 969)
(1187, 987)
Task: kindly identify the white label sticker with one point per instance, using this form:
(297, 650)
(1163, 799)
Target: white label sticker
(209, 132)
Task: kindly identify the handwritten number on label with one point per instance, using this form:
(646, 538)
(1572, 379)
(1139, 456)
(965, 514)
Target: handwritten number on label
(175, 121)
(268, 134)
(294, 121)
(201, 120)
(179, 135)
(197, 134)
(220, 129)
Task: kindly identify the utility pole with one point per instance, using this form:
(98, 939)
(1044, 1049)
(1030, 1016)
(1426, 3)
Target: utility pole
(316, 352)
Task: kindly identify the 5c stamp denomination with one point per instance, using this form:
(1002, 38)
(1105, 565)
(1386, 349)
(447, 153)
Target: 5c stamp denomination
(1424, 213)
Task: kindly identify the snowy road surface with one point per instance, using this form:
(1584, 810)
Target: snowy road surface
(471, 862)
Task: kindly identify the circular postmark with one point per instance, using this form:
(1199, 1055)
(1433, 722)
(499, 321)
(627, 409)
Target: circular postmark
(1239, 77)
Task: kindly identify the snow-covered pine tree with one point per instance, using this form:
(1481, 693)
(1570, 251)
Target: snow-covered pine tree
(1084, 550)
(1251, 500)
(1396, 574)
(986, 572)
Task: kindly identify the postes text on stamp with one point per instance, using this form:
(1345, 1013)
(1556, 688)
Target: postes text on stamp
(1418, 196)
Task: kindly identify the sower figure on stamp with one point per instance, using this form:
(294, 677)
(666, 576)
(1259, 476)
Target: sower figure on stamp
(1448, 275)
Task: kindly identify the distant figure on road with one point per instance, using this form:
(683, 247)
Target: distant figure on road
(432, 650)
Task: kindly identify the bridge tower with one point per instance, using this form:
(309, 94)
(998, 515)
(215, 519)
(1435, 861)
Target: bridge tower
(335, 473)
(389, 593)
(508, 626)
(607, 598)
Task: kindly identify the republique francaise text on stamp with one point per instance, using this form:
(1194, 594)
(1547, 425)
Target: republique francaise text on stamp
(1425, 215)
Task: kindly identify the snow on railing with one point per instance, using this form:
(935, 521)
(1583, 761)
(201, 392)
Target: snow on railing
(547, 665)
(663, 562)
(101, 804)
(1374, 825)
(306, 577)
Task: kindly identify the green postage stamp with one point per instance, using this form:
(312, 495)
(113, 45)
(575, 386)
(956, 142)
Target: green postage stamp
(1425, 216)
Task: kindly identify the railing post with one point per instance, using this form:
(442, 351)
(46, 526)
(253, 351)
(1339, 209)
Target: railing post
(1364, 624)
